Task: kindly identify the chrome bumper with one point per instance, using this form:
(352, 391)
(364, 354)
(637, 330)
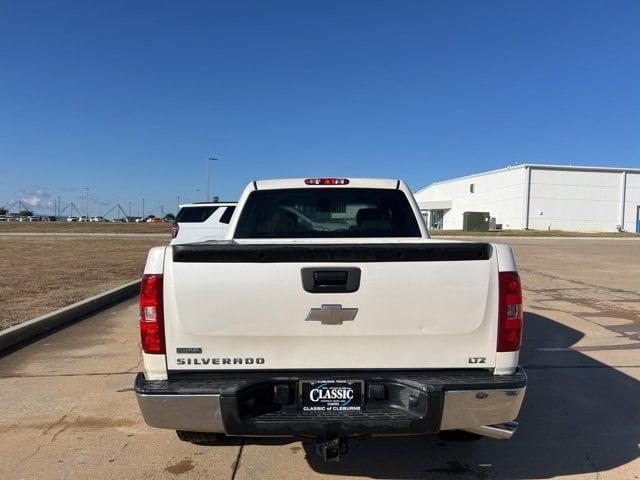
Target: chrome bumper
(488, 412)
(482, 411)
(192, 413)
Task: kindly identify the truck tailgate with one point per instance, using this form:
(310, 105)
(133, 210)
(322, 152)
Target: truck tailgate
(419, 305)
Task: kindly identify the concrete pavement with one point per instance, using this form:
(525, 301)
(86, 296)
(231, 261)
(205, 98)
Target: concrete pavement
(67, 409)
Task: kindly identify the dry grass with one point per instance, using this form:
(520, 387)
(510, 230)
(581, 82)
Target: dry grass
(38, 275)
(75, 227)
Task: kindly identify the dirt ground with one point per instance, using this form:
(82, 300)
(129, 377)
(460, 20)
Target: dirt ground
(41, 274)
(159, 228)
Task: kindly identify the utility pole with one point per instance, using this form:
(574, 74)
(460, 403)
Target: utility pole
(129, 208)
(143, 208)
(177, 204)
(211, 159)
(59, 212)
(197, 194)
(87, 189)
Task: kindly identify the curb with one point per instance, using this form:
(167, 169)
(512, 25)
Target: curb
(49, 321)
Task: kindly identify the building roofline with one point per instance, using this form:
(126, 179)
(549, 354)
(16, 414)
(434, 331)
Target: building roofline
(537, 166)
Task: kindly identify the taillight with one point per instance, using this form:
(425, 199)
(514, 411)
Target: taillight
(327, 181)
(151, 320)
(510, 316)
(174, 230)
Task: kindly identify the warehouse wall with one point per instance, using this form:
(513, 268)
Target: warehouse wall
(632, 203)
(575, 200)
(572, 200)
(500, 193)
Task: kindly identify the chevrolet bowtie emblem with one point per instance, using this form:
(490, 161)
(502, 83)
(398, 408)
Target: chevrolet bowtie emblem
(331, 314)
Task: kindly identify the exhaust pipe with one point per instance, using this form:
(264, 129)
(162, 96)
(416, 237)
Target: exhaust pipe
(501, 431)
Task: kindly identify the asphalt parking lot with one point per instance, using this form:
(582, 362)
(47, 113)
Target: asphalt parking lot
(67, 409)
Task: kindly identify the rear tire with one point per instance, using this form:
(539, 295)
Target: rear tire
(458, 436)
(201, 438)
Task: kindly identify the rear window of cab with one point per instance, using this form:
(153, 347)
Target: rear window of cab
(327, 213)
(195, 214)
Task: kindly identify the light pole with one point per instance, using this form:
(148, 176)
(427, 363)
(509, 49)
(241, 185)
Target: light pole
(197, 194)
(87, 189)
(143, 208)
(211, 159)
(177, 204)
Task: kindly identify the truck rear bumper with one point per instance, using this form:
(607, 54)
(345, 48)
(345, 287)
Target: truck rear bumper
(413, 402)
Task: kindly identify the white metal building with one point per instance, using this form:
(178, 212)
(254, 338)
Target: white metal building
(539, 197)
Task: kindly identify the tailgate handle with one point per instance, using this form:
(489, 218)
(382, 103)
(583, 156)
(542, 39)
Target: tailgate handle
(330, 277)
(331, 280)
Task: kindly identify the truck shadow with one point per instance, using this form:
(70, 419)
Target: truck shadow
(579, 416)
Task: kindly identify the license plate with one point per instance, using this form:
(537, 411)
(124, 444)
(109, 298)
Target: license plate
(331, 395)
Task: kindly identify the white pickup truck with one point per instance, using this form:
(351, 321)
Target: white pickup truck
(328, 312)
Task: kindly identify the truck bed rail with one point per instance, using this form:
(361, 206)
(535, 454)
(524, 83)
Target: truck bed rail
(231, 252)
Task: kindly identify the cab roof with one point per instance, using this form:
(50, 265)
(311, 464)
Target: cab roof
(300, 183)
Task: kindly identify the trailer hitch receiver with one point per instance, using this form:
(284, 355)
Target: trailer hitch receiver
(330, 448)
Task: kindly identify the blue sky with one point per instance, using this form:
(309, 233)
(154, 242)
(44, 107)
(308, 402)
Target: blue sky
(130, 98)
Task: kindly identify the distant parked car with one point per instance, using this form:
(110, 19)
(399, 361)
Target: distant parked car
(72, 219)
(3, 218)
(34, 218)
(198, 222)
(83, 218)
(97, 219)
(50, 218)
(11, 218)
